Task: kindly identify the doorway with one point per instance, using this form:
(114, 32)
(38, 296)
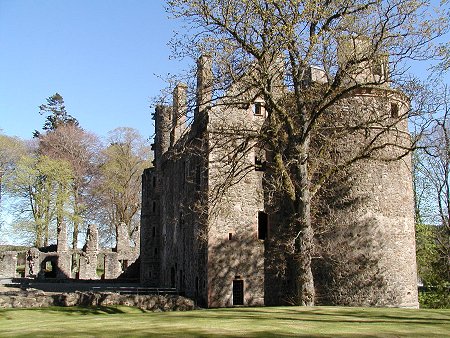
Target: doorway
(238, 292)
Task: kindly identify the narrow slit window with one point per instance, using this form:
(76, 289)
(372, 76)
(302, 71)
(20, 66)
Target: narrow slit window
(260, 160)
(377, 69)
(260, 164)
(262, 225)
(394, 110)
(230, 236)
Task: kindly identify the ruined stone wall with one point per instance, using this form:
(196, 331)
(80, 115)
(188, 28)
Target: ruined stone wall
(8, 264)
(152, 186)
(58, 264)
(171, 249)
(181, 254)
(150, 230)
(88, 259)
(64, 261)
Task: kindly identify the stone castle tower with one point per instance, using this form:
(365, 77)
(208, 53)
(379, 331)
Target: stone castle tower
(206, 229)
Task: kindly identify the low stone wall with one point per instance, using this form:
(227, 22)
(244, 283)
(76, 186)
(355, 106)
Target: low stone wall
(31, 299)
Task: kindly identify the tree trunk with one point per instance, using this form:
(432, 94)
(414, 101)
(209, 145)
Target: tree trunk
(303, 245)
(76, 217)
(59, 208)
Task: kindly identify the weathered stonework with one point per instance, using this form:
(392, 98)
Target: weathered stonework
(64, 262)
(8, 264)
(88, 259)
(39, 299)
(206, 228)
(57, 263)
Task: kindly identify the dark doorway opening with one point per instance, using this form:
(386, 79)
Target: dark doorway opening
(262, 225)
(238, 292)
(49, 267)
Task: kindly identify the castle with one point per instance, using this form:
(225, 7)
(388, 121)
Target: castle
(211, 234)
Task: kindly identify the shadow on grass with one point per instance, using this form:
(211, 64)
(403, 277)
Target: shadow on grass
(237, 322)
(329, 315)
(82, 310)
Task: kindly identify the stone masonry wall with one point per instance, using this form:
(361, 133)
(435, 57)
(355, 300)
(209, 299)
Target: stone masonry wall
(8, 264)
(201, 202)
(369, 225)
(88, 260)
(235, 253)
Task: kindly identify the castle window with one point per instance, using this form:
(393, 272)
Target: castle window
(154, 206)
(154, 181)
(377, 69)
(394, 110)
(257, 109)
(230, 236)
(124, 264)
(260, 159)
(262, 225)
(156, 252)
(153, 232)
(260, 165)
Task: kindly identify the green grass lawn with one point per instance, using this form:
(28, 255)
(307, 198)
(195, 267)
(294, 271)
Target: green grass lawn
(233, 322)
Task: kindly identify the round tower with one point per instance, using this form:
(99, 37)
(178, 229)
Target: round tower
(367, 210)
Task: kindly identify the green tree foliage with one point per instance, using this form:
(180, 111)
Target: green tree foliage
(432, 195)
(39, 184)
(11, 148)
(119, 186)
(252, 42)
(429, 265)
(80, 149)
(58, 115)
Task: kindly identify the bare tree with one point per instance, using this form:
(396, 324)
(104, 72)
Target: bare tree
(80, 149)
(264, 50)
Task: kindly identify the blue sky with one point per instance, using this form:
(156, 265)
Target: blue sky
(102, 56)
